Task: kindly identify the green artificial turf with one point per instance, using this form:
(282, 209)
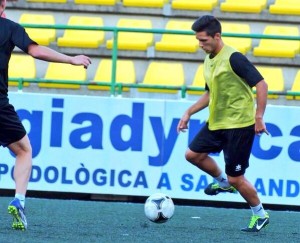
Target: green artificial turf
(51, 220)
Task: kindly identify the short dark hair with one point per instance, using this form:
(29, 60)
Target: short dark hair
(207, 23)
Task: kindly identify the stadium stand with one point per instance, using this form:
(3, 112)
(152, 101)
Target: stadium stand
(125, 74)
(21, 66)
(295, 87)
(198, 82)
(96, 2)
(274, 78)
(159, 17)
(74, 38)
(286, 7)
(241, 44)
(278, 48)
(65, 72)
(163, 73)
(245, 6)
(41, 36)
(207, 5)
(133, 40)
(177, 42)
(47, 1)
(145, 3)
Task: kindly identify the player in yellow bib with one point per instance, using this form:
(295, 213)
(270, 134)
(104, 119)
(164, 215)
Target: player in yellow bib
(233, 118)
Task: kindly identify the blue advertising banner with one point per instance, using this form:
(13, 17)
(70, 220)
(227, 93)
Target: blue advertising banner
(129, 146)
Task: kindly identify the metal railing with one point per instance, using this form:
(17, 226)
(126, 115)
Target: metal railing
(117, 87)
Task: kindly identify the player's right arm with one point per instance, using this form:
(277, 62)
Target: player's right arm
(201, 103)
(50, 55)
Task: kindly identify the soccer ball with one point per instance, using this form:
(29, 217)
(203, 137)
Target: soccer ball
(159, 208)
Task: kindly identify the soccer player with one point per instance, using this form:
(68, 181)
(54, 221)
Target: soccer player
(12, 132)
(233, 119)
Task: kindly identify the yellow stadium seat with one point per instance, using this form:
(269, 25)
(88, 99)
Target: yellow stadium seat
(133, 40)
(163, 73)
(125, 74)
(145, 3)
(274, 78)
(41, 36)
(278, 48)
(295, 88)
(74, 38)
(21, 66)
(204, 5)
(176, 42)
(97, 2)
(289, 7)
(241, 44)
(198, 82)
(63, 72)
(244, 6)
(48, 1)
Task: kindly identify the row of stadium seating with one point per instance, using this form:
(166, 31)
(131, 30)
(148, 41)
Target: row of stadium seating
(280, 78)
(168, 42)
(157, 73)
(289, 7)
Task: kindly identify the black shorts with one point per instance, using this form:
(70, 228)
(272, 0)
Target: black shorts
(236, 145)
(11, 128)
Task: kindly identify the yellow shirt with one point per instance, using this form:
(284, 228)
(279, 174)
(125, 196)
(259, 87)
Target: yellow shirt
(231, 103)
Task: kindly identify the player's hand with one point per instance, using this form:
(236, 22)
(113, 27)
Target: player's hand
(182, 124)
(260, 127)
(81, 60)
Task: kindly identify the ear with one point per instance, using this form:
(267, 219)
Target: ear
(3, 5)
(218, 35)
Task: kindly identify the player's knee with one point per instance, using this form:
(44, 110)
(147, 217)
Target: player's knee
(193, 157)
(25, 148)
(189, 156)
(21, 147)
(28, 150)
(236, 181)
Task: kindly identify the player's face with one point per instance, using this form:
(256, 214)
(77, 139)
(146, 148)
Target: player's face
(207, 43)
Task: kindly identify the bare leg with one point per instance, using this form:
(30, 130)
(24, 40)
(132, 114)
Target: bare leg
(22, 150)
(249, 193)
(203, 162)
(246, 189)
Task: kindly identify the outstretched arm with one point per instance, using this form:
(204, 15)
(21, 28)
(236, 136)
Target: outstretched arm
(198, 106)
(50, 55)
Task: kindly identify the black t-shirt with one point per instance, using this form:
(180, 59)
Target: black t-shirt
(11, 35)
(244, 69)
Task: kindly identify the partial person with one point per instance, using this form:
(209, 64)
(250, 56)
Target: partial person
(12, 132)
(234, 118)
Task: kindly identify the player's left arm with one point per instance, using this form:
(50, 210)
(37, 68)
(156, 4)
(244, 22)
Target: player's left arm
(21, 39)
(248, 72)
(261, 102)
(50, 55)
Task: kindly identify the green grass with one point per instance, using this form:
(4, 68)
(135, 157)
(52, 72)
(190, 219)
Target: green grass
(52, 220)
